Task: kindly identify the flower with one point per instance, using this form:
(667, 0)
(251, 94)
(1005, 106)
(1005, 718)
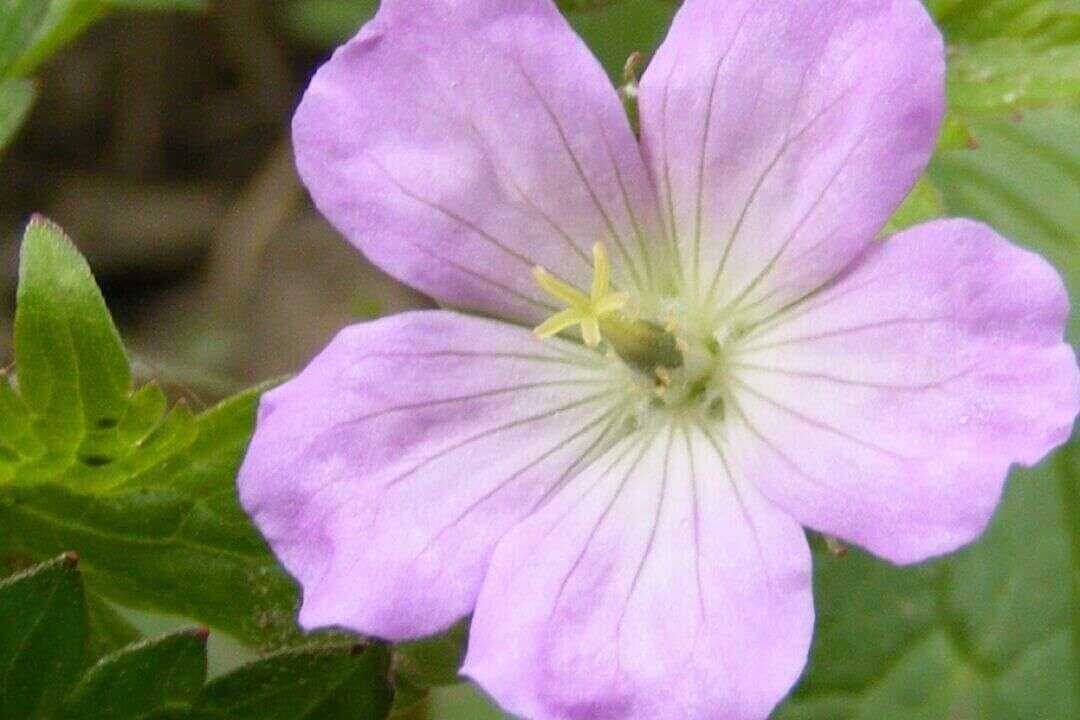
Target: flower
(621, 507)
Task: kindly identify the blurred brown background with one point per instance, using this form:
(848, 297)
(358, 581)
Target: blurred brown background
(160, 143)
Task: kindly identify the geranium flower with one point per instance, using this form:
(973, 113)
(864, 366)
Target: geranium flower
(723, 355)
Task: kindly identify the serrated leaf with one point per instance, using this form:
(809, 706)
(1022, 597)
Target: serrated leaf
(147, 497)
(172, 539)
(141, 679)
(16, 99)
(329, 682)
(43, 638)
(73, 375)
(43, 643)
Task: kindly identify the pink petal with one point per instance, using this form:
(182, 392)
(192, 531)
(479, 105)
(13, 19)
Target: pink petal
(783, 134)
(657, 585)
(888, 408)
(384, 474)
(459, 144)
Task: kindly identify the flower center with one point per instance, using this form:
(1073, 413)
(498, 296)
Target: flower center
(676, 366)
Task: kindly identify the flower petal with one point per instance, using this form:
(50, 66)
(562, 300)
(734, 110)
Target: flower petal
(460, 144)
(655, 586)
(888, 408)
(384, 474)
(783, 134)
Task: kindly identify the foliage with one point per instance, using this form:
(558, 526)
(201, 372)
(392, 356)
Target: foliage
(145, 495)
(46, 672)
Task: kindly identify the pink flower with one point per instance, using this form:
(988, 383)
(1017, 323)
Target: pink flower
(624, 516)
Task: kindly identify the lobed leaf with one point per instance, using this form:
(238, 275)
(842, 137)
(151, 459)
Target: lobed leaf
(43, 673)
(147, 497)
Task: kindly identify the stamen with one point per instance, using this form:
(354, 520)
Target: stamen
(588, 311)
(600, 315)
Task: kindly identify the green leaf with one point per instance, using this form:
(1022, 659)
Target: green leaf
(924, 203)
(64, 21)
(73, 375)
(150, 676)
(109, 631)
(615, 30)
(18, 21)
(463, 702)
(1009, 55)
(434, 661)
(146, 497)
(43, 638)
(621, 26)
(328, 682)
(955, 133)
(160, 5)
(16, 99)
(422, 665)
(43, 643)
(987, 634)
(171, 538)
(1003, 75)
(1050, 20)
(584, 6)
(324, 23)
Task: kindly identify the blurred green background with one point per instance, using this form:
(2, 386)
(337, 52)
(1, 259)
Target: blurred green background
(156, 133)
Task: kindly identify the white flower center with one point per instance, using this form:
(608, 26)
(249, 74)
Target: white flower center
(673, 358)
